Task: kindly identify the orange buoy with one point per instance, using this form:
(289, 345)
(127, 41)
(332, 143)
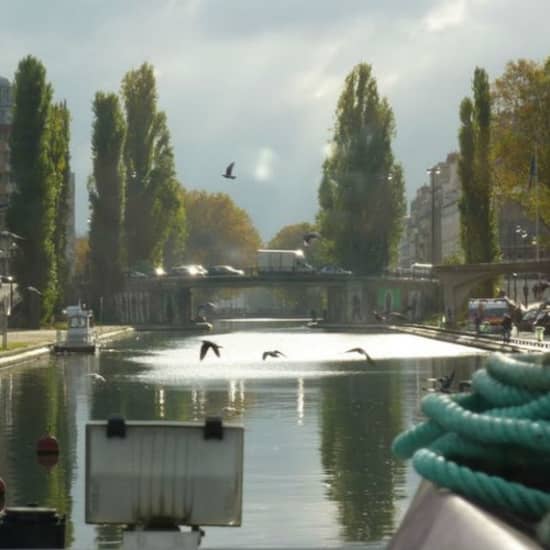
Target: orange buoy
(47, 450)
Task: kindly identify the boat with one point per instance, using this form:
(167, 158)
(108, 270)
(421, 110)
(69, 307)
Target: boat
(483, 460)
(80, 335)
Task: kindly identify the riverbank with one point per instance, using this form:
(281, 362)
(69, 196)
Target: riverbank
(29, 344)
(526, 343)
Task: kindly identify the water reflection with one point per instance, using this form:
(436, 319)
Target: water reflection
(30, 414)
(360, 417)
(318, 426)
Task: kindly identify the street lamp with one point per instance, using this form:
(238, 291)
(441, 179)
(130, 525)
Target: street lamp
(432, 172)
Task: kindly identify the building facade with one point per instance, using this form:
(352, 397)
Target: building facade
(432, 230)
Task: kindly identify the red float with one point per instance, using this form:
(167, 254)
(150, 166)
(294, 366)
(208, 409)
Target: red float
(47, 450)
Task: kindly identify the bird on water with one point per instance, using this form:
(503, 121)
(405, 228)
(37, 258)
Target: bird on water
(369, 359)
(275, 353)
(206, 345)
(229, 172)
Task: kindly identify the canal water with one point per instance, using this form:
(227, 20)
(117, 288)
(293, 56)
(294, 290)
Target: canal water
(319, 423)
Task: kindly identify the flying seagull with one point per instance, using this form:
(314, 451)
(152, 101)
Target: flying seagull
(97, 377)
(275, 353)
(369, 359)
(229, 172)
(206, 345)
(308, 237)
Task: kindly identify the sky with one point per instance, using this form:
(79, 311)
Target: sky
(257, 82)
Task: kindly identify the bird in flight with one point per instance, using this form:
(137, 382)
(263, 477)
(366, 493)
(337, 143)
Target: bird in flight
(308, 237)
(97, 377)
(229, 172)
(206, 345)
(369, 359)
(275, 353)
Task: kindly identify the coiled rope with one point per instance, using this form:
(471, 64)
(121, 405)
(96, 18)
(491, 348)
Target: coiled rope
(471, 443)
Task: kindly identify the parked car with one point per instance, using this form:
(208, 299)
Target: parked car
(543, 320)
(137, 275)
(224, 271)
(334, 270)
(528, 319)
(190, 270)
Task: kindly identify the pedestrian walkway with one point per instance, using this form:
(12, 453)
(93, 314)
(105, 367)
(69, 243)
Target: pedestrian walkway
(28, 344)
(525, 342)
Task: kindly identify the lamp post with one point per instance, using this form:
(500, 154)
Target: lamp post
(515, 276)
(432, 172)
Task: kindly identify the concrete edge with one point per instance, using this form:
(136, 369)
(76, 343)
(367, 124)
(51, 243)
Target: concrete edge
(22, 355)
(435, 333)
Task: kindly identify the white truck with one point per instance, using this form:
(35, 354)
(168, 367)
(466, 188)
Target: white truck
(282, 261)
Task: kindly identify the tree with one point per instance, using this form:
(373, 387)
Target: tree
(107, 197)
(361, 194)
(32, 209)
(59, 126)
(519, 131)
(174, 246)
(478, 225)
(153, 204)
(81, 257)
(219, 232)
(291, 237)
(168, 214)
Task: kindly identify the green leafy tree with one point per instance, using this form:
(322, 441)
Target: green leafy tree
(361, 194)
(107, 196)
(32, 209)
(60, 157)
(521, 98)
(291, 237)
(168, 210)
(154, 211)
(478, 225)
(219, 231)
(174, 246)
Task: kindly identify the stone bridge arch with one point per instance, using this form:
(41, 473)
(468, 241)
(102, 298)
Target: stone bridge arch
(457, 281)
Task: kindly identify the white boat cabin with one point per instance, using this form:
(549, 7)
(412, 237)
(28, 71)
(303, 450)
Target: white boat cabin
(80, 334)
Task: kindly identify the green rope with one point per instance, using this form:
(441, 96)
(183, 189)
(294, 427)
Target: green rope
(504, 423)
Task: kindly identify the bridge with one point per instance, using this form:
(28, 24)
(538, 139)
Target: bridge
(457, 281)
(170, 300)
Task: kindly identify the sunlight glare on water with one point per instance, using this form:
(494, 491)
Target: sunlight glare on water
(241, 355)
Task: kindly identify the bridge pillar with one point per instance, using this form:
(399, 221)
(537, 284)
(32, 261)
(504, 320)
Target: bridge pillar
(336, 301)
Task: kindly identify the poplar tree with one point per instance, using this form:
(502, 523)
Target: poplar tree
(107, 198)
(60, 158)
(478, 225)
(361, 195)
(153, 205)
(32, 209)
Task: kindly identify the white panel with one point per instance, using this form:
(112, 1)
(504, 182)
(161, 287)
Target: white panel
(163, 471)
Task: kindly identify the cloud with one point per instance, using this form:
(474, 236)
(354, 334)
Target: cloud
(259, 83)
(449, 14)
(264, 165)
